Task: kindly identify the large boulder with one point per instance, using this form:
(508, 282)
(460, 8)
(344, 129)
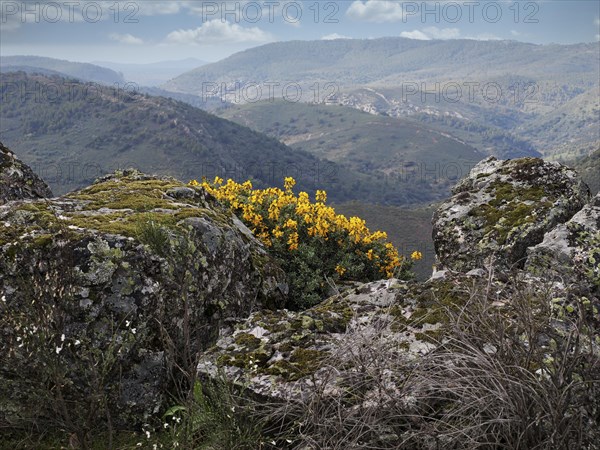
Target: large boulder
(571, 251)
(501, 208)
(109, 292)
(392, 364)
(17, 180)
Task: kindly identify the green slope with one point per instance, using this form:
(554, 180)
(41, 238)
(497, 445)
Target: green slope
(73, 137)
(81, 71)
(391, 61)
(400, 152)
(588, 168)
(543, 98)
(79, 132)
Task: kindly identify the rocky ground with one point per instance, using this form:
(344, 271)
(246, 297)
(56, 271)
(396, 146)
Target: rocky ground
(136, 276)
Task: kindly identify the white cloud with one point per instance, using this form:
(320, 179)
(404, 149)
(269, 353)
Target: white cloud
(484, 37)
(597, 22)
(442, 33)
(126, 39)
(331, 37)
(415, 34)
(376, 10)
(429, 33)
(515, 33)
(218, 32)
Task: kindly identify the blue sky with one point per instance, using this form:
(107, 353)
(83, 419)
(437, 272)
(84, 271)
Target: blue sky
(149, 31)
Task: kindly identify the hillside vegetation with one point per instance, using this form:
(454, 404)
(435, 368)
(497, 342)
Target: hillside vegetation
(542, 96)
(398, 150)
(80, 132)
(588, 168)
(81, 71)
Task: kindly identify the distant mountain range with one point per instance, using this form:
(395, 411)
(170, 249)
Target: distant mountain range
(51, 66)
(511, 89)
(153, 74)
(77, 134)
(400, 151)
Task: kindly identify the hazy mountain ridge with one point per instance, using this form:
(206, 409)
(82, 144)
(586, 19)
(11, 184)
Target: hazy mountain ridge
(399, 150)
(82, 71)
(152, 74)
(388, 60)
(77, 137)
(508, 87)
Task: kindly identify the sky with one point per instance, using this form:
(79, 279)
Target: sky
(147, 31)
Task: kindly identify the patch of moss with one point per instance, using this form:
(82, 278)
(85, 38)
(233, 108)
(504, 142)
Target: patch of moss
(247, 341)
(129, 224)
(335, 315)
(141, 196)
(433, 305)
(302, 362)
(42, 240)
(509, 209)
(399, 321)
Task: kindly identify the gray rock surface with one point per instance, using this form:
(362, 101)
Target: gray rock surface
(17, 180)
(501, 208)
(115, 285)
(571, 251)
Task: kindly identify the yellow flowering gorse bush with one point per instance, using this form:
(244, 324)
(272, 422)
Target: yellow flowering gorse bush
(310, 240)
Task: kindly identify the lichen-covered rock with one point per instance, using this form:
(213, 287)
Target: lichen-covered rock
(17, 180)
(501, 208)
(382, 362)
(278, 354)
(571, 251)
(106, 290)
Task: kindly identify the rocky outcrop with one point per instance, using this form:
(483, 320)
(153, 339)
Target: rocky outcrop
(409, 350)
(17, 180)
(501, 208)
(280, 354)
(111, 291)
(570, 253)
(112, 287)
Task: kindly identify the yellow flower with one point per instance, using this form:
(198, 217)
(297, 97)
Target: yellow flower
(416, 255)
(291, 223)
(289, 183)
(341, 270)
(218, 180)
(194, 183)
(293, 241)
(321, 196)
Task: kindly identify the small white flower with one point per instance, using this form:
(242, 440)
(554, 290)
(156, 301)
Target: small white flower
(127, 323)
(133, 330)
(18, 338)
(62, 338)
(77, 342)
(58, 350)
(3, 298)
(147, 434)
(154, 447)
(165, 425)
